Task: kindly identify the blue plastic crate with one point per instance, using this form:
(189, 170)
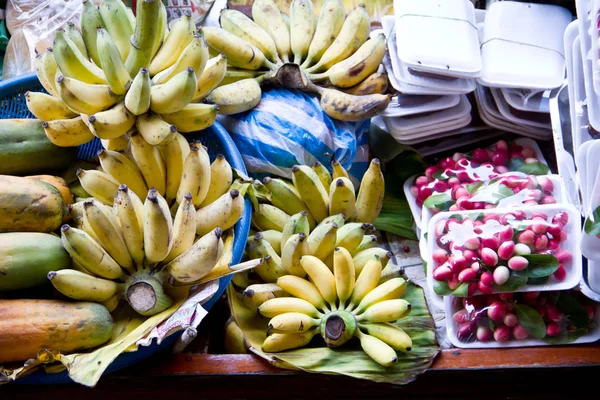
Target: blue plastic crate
(216, 138)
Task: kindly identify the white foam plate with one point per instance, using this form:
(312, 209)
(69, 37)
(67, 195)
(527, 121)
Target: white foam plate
(401, 106)
(578, 103)
(527, 100)
(593, 100)
(523, 45)
(452, 328)
(443, 36)
(439, 132)
(527, 118)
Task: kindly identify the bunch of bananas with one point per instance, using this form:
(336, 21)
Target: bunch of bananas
(126, 248)
(333, 50)
(121, 73)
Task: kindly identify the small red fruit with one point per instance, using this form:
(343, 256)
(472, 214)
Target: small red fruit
(502, 333)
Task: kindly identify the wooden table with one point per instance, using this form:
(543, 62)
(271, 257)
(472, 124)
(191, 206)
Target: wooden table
(202, 371)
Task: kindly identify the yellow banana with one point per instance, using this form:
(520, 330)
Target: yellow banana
(89, 254)
(150, 26)
(45, 67)
(354, 32)
(370, 194)
(342, 198)
(331, 19)
(350, 235)
(237, 74)
(158, 227)
(343, 270)
(234, 340)
(368, 242)
(150, 162)
(80, 286)
(322, 277)
(323, 174)
(72, 63)
(175, 94)
(385, 311)
(302, 28)
(311, 191)
(285, 197)
(239, 52)
(285, 341)
(356, 68)
(321, 240)
(214, 72)
(199, 259)
(266, 14)
(291, 322)
(112, 123)
(346, 107)
(129, 210)
(174, 154)
(367, 280)
(74, 35)
(361, 258)
(377, 349)
(276, 306)
(258, 294)
(338, 171)
(223, 213)
(390, 290)
(99, 184)
(298, 223)
(274, 239)
(243, 27)
(112, 303)
(236, 97)
(109, 235)
(120, 144)
(179, 37)
(193, 117)
(267, 217)
(376, 83)
(85, 98)
(196, 175)
(137, 99)
(89, 22)
(271, 268)
(46, 107)
(116, 20)
(194, 55)
(154, 129)
(338, 219)
(116, 74)
(123, 170)
(390, 334)
(184, 228)
(302, 289)
(293, 250)
(221, 178)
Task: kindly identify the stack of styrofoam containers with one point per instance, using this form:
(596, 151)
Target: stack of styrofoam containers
(523, 58)
(433, 60)
(576, 129)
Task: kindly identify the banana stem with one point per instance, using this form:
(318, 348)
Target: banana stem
(260, 79)
(146, 296)
(318, 77)
(272, 66)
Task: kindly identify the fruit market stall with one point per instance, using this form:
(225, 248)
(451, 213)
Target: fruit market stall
(377, 193)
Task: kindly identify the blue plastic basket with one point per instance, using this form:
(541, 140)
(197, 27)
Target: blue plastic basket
(216, 138)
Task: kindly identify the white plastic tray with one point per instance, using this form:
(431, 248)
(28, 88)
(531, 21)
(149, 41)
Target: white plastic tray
(441, 131)
(593, 100)
(573, 229)
(399, 106)
(520, 118)
(523, 45)
(452, 327)
(443, 36)
(526, 100)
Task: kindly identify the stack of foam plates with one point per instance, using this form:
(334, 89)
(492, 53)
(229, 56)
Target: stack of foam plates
(522, 50)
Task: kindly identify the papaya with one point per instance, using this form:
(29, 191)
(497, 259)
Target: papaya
(27, 257)
(58, 183)
(27, 205)
(25, 149)
(29, 326)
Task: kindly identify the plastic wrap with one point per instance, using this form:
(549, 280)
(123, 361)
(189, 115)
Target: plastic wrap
(522, 319)
(529, 248)
(32, 25)
(289, 128)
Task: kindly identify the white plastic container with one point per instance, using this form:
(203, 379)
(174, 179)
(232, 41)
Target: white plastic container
(527, 100)
(593, 99)
(441, 36)
(536, 120)
(523, 45)
(403, 105)
(452, 328)
(573, 230)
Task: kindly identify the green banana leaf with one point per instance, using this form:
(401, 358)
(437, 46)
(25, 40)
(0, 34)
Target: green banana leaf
(349, 360)
(395, 217)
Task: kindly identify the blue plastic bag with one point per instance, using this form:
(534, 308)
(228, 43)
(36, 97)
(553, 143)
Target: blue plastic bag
(290, 127)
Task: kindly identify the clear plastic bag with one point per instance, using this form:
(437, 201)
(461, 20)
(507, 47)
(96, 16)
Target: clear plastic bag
(32, 25)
